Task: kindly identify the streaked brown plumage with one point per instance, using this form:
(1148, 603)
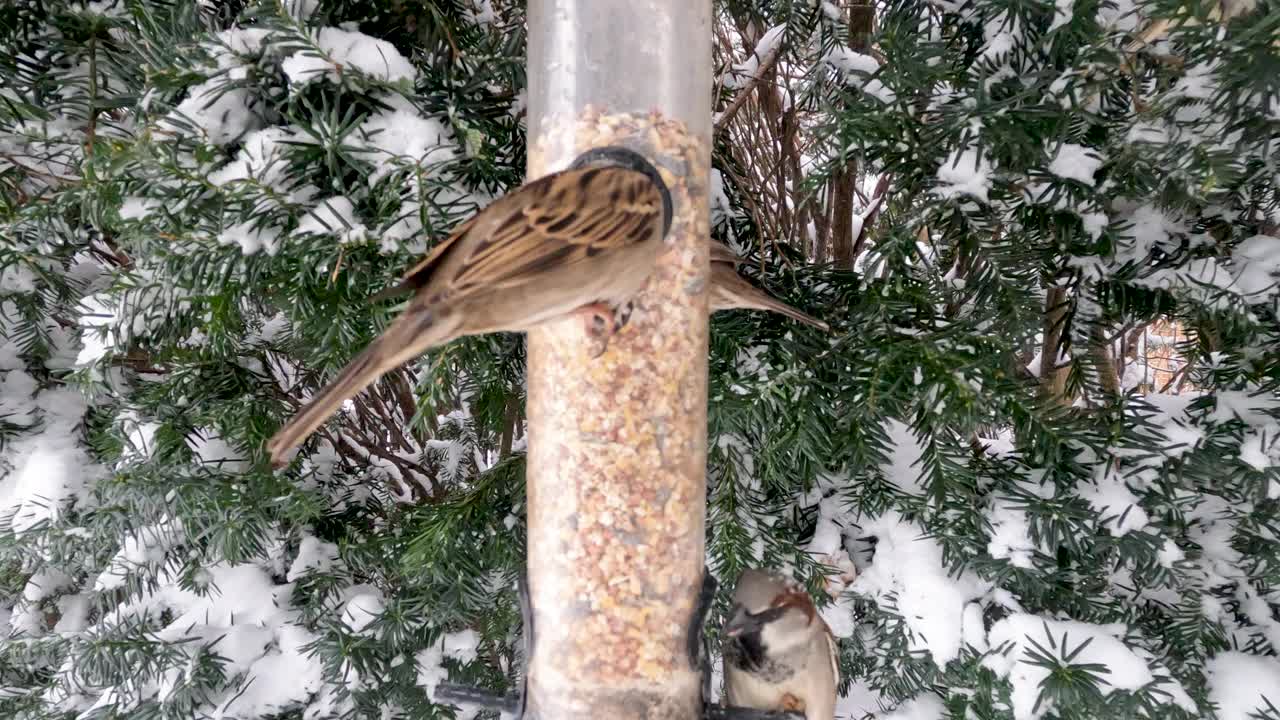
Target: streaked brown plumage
(730, 291)
(778, 653)
(584, 239)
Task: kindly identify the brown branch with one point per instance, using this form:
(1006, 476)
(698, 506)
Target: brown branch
(1053, 379)
(731, 110)
(821, 227)
(1103, 363)
(962, 271)
(13, 160)
(361, 453)
(877, 206)
(112, 252)
(140, 362)
(92, 130)
(842, 186)
(862, 17)
(1179, 377)
(510, 418)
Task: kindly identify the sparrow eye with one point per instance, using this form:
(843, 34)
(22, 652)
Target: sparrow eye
(768, 615)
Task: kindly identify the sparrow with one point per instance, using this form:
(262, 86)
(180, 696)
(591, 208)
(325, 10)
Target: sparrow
(583, 240)
(779, 655)
(729, 290)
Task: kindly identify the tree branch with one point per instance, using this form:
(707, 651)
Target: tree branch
(766, 66)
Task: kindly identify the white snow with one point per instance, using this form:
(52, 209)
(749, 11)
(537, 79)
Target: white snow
(334, 216)
(921, 707)
(362, 609)
(964, 172)
(246, 618)
(272, 328)
(1198, 82)
(461, 646)
(401, 135)
(1213, 531)
(406, 226)
(1001, 32)
(1121, 15)
(1256, 265)
(839, 616)
(221, 114)
(261, 157)
(1063, 11)
(261, 161)
(1150, 228)
(17, 278)
(1260, 448)
(17, 397)
(1248, 406)
(215, 452)
(1238, 684)
(45, 583)
(827, 532)
(286, 656)
(251, 237)
(136, 208)
(482, 13)
(858, 702)
(1076, 162)
(1002, 444)
(909, 566)
(742, 73)
(302, 9)
(1176, 432)
(97, 318)
(342, 51)
(1010, 534)
(1127, 670)
(1170, 554)
(1114, 502)
(721, 208)
(905, 468)
(314, 556)
(857, 69)
(146, 546)
(51, 474)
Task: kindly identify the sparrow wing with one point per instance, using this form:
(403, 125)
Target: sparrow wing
(555, 221)
(552, 224)
(417, 275)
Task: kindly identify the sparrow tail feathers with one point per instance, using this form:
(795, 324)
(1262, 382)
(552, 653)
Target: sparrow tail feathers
(767, 303)
(411, 334)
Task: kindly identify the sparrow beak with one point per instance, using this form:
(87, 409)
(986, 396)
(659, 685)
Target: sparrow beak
(742, 623)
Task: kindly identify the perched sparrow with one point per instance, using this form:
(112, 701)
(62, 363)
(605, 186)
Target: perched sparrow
(578, 241)
(729, 290)
(778, 653)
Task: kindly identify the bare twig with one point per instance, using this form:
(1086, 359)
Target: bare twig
(1053, 379)
(766, 66)
(12, 160)
(510, 418)
(1104, 364)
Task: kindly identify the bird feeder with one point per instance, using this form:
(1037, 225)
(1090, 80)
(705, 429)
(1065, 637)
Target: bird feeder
(616, 469)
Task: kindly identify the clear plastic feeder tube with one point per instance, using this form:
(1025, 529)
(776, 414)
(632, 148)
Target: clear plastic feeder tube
(616, 470)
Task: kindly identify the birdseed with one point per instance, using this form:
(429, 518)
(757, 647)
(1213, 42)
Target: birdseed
(616, 472)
